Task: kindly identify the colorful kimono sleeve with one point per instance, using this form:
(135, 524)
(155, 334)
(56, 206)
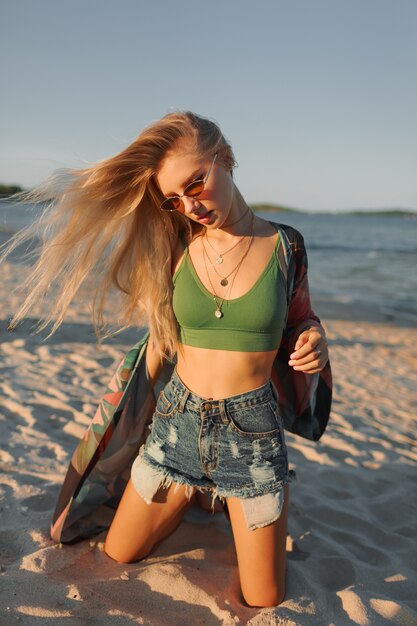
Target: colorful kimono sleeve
(304, 399)
(300, 313)
(99, 467)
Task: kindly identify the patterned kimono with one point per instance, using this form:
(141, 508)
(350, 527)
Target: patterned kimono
(100, 466)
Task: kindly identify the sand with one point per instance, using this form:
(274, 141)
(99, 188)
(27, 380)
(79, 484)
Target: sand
(351, 543)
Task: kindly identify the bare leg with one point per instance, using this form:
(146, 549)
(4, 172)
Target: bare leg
(137, 526)
(261, 555)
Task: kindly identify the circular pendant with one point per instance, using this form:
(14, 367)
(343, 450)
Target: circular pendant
(219, 260)
(218, 314)
(224, 282)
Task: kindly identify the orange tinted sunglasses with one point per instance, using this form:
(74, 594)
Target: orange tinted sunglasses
(194, 189)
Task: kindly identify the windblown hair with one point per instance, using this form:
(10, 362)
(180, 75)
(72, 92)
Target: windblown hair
(104, 223)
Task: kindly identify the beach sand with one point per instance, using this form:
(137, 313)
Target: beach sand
(351, 543)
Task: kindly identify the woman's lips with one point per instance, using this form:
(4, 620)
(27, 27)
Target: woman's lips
(205, 217)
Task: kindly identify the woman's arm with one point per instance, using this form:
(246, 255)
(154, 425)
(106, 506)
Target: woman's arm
(308, 343)
(153, 361)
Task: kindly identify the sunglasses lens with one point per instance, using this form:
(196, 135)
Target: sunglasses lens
(172, 204)
(194, 189)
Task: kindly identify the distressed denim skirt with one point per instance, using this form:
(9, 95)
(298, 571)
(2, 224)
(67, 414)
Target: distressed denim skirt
(232, 447)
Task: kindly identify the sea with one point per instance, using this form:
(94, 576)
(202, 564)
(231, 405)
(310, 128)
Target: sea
(354, 260)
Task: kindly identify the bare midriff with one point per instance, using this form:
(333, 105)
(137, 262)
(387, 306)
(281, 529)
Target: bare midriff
(216, 374)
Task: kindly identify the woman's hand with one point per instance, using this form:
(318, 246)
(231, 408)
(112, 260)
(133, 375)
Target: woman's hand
(310, 351)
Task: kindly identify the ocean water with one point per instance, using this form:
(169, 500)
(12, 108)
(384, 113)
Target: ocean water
(365, 259)
(353, 259)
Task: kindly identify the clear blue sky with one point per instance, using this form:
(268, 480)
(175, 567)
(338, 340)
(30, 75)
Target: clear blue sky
(318, 97)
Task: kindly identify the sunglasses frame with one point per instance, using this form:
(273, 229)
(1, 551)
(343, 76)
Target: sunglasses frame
(199, 180)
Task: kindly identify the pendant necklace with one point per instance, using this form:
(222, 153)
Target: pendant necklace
(219, 258)
(224, 282)
(218, 312)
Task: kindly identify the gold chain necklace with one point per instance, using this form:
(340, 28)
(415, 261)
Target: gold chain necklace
(218, 312)
(219, 259)
(223, 280)
(238, 220)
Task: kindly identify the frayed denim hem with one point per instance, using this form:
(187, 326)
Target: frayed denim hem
(260, 509)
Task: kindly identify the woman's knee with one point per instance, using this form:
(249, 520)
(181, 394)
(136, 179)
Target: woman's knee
(122, 553)
(268, 598)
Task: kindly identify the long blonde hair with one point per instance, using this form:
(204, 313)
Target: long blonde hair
(104, 223)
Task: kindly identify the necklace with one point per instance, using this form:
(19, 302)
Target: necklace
(238, 220)
(219, 259)
(223, 280)
(218, 312)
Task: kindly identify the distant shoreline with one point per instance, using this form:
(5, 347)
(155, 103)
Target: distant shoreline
(7, 191)
(276, 208)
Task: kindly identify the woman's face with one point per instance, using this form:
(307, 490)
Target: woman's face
(213, 205)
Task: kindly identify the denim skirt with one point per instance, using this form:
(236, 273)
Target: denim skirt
(232, 447)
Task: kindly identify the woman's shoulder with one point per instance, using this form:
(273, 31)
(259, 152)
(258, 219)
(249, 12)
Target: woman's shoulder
(179, 251)
(292, 234)
(177, 255)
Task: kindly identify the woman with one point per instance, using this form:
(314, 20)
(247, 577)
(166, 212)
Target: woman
(164, 222)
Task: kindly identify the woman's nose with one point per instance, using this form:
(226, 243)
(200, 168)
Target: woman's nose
(190, 204)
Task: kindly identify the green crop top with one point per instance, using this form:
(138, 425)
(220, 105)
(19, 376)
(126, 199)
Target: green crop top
(251, 323)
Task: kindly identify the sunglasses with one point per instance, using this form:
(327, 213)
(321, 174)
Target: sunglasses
(194, 189)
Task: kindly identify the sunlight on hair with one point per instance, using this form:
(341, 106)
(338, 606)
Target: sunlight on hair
(103, 225)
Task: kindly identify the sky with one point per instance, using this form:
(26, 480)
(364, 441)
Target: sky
(317, 97)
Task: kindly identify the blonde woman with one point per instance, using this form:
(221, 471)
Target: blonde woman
(224, 295)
